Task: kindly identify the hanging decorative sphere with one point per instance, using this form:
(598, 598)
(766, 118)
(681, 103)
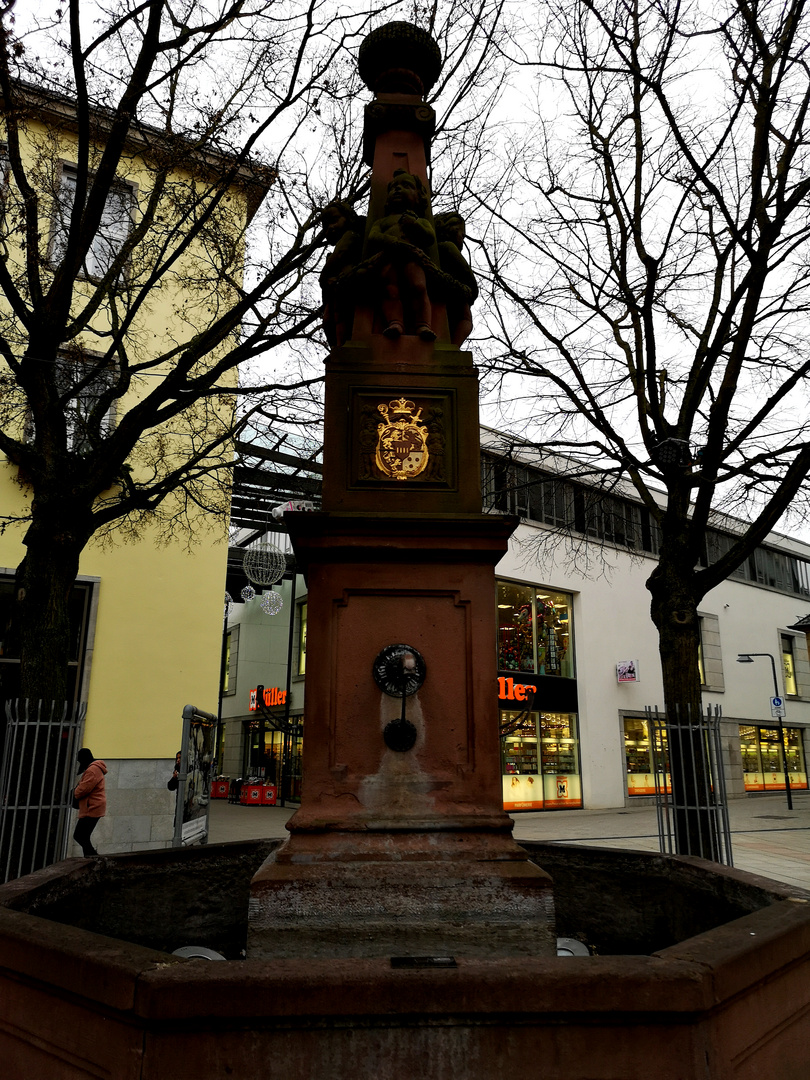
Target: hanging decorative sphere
(264, 564)
(272, 603)
(248, 593)
(228, 604)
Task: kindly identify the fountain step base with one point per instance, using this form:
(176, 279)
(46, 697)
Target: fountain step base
(732, 1003)
(484, 909)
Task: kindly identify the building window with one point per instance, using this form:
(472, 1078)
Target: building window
(604, 517)
(710, 655)
(534, 630)
(762, 759)
(568, 506)
(302, 639)
(230, 662)
(777, 570)
(115, 225)
(540, 761)
(788, 666)
(81, 618)
(641, 755)
(5, 170)
(539, 496)
(82, 381)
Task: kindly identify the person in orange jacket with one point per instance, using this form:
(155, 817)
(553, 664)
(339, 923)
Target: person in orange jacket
(91, 797)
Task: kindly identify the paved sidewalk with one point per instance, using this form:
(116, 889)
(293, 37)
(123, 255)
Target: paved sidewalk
(766, 837)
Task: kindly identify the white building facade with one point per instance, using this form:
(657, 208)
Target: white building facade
(578, 652)
(577, 656)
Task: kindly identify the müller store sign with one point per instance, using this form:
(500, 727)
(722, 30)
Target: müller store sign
(273, 695)
(509, 690)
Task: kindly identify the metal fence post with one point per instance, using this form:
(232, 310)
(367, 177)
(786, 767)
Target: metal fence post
(36, 783)
(711, 801)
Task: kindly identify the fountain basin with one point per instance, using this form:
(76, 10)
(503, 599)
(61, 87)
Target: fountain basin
(702, 971)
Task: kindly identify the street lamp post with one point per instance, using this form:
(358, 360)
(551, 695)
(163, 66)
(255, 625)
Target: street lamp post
(748, 658)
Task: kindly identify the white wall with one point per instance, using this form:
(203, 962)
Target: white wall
(262, 650)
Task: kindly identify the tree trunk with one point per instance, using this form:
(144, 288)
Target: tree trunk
(41, 617)
(674, 613)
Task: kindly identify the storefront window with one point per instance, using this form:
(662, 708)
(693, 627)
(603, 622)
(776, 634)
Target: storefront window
(540, 761)
(752, 766)
(534, 630)
(762, 758)
(640, 760)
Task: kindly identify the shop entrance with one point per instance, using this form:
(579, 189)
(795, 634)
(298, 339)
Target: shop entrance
(274, 756)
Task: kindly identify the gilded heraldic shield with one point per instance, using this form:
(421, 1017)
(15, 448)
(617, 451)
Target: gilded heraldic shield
(402, 451)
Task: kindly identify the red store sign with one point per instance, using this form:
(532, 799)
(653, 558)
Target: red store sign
(273, 695)
(509, 690)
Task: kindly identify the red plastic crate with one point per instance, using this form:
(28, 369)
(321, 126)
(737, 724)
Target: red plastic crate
(251, 794)
(269, 795)
(219, 789)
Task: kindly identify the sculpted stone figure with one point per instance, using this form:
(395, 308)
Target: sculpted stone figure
(402, 238)
(397, 266)
(459, 285)
(344, 228)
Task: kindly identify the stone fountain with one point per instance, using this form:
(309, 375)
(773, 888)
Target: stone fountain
(401, 844)
(400, 930)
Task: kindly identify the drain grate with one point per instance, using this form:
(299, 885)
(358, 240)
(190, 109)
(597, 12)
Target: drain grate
(774, 817)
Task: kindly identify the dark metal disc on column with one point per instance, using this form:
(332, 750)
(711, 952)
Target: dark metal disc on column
(394, 675)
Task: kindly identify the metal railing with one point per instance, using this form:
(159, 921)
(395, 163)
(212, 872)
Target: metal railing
(37, 777)
(692, 809)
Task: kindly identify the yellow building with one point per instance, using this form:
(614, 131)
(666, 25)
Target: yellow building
(148, 602)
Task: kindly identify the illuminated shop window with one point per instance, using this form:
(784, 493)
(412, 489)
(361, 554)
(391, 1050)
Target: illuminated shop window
(762, 758)
(534, 630)
(788, 667)
(302, 639)
(639, 760)
(540, 761)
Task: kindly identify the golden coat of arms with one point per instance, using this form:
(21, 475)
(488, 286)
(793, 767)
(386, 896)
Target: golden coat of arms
(402, 451)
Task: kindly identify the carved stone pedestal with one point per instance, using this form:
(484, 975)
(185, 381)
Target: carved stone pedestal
(400, 852)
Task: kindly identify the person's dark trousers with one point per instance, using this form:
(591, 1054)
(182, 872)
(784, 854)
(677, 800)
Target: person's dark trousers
(83, 832)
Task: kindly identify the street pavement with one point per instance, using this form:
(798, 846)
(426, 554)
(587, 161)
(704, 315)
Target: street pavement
(766, 837)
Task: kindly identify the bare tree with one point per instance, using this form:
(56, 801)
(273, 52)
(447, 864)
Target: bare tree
(651, 277)
(154, 150)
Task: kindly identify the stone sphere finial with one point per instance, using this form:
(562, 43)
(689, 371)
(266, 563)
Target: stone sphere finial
(399, 58)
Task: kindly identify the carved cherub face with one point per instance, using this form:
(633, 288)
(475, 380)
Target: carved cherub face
(450, 227)
(334, 222)
(406, 192)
